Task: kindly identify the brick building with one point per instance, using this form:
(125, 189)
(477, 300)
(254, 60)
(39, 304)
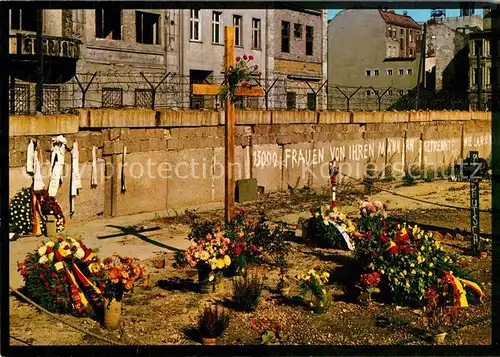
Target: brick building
(374, 52)
(133, 57)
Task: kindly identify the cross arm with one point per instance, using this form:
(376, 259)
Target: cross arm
(215, 89)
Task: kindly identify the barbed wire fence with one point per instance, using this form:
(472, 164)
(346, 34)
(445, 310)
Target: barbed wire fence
(134, 89)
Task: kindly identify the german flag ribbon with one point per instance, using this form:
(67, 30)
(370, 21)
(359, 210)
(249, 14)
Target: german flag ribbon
(81, 302)
(457, 288)
(35, 208)
(473, 286)
(84, 280)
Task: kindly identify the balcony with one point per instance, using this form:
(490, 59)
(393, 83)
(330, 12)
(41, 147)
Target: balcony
(24, 44)
(60, 55)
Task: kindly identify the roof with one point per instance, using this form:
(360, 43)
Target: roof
(392, 18)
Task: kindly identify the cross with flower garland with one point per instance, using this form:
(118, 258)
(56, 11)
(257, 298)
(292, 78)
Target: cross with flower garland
(236, 84)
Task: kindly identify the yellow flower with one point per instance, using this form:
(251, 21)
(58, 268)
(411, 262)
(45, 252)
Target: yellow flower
(403, 231)
(407, 284)
(430, 273)
(382, 271)
(43, 259)
(431, 264)
(220, 263)
(396, 280)
(227, 260)
(49, 244)
(59, 266)
(412, 265)
(204, 255)
(404, 272)
(413, 272)
(326, 274)
(420, 259)
(422, 248)
(391, 244)
(341, 216)
(94, 267)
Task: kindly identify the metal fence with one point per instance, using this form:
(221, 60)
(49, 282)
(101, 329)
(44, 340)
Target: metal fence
(114, 89)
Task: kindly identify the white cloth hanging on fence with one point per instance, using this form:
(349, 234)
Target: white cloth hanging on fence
(57, 164)
(75, 183)
(124, 187)
(38, 183)
(93, 178)
(30, 158)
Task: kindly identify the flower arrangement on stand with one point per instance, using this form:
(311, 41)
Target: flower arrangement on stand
(210, 256)
(239, 75)
(29, 211)
(313, 283)
(64, 276)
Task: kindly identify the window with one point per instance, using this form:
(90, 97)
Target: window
(147, 28)
(108, 24)
(311, 101)
(477, 48)
(238, 30)
(402, 32)
(411, 52)
(285, 36)
(401, 44)
(368, 92)
(389, 72)
(401, 71)
(297, 31)
(216, 26)
(389, 31)
(394, 33)
(368, 72)
(487, 78)
(409, 71)
(309, 40)
(24, 19)
(291, 100)
(376, 72)
(112, 97)
(195, 31)
(256, 34)
(474, 76)
(411, 35)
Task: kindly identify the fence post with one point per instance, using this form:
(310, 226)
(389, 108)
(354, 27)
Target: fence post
(84, 90)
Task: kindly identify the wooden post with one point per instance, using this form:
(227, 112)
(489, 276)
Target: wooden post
(229, 130)
(474, 203)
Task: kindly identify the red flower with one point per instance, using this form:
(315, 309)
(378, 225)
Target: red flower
(238, 59)
(259, 74)
(254, 248)
(237, 251)
(255, 67)
(46, 266)
(59, 300)
(243, 210)
(394, 249)
(383, 238)
(49, 250)
(60, 240)
(254, 322)
(52, 292)
(46, 284)
(35, 266)
(42, 276)
(369, 234)
(63, 279)
(67, 293)
(245, 57)
(250, 57)
(59, 288)
(54, 275)
(244, 84)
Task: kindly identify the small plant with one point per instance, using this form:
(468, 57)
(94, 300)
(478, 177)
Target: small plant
(247, 292)
(370, 178)
(429, 175)
(200, 229)
(271, 332)
(213, 322)
(369, 284)
(408, 178)
(437, 314)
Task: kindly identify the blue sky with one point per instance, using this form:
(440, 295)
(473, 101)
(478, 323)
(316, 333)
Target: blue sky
(417, 15)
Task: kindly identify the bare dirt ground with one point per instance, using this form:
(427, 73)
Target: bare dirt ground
(163, 313)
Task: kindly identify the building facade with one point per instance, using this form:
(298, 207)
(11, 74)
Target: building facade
(147, 58)
(373, 58)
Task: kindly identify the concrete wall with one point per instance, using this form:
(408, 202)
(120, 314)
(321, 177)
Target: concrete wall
(176, 158)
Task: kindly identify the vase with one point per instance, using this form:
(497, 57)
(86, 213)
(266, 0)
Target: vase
(219, 284)
(206, 286)
(209, 341)
(319, 307)
(50, 226)
(112, 313)
(438, 338)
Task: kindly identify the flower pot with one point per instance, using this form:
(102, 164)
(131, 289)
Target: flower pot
(438, 338)
(209, 341)
(206, 286)
(51, 226)
(112, 313)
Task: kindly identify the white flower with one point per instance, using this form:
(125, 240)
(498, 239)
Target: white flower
(51, 256)
(80, 253)
(43, 260)
(42, 250)
(49, 244)
(59, 266)
(211, 277)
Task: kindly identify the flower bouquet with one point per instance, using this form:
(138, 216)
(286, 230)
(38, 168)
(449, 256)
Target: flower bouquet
(329, 228)
(239, 75)
(122, 273)
(64, 276)
(369, 284)
(210, 256)
(313, 283)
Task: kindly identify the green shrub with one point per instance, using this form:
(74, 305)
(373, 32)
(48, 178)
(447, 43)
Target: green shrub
(247, 292)
(409, 178)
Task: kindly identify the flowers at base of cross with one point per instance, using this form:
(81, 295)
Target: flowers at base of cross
(210, 254)
(374, 208)
(63, 275)
(122, 273)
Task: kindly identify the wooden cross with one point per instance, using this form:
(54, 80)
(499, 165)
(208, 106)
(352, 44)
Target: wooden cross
(230, 116)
